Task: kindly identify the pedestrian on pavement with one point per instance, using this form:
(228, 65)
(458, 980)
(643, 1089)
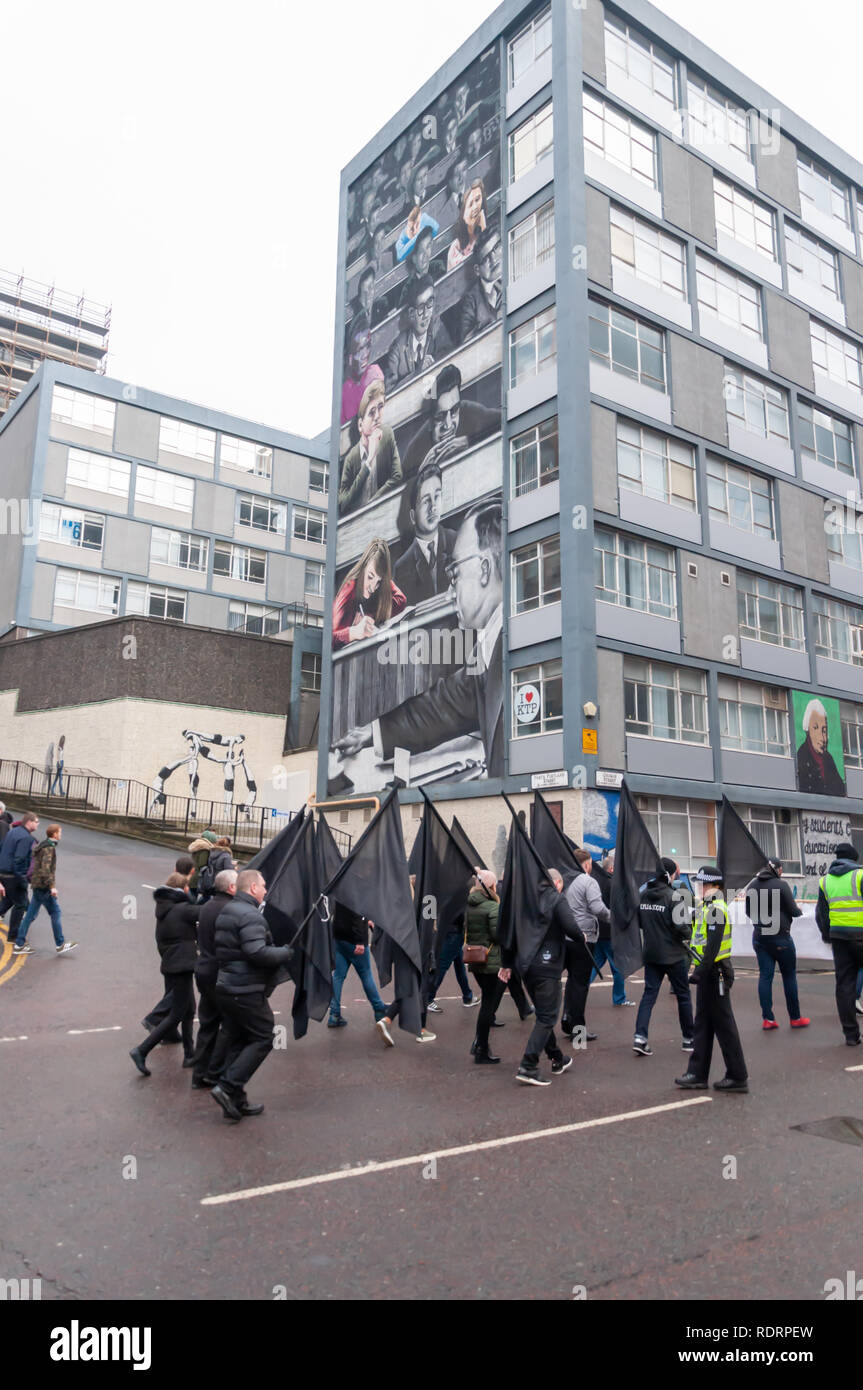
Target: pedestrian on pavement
(209, 1055)
(5, 821)
(351, 941)
(176, 919)
(451, 955)
(184, 866)
(589, 910)
(199, 851)
(480, 935)
(219, 858)
(44, 886)
(771, 908)
(713, 975)
(58, 772)
(665, 920)
(839, 915)
(250, 967)
(543, 981)
(602, 950)
(16, 857)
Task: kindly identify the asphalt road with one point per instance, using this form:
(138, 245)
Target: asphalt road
(643, 1206)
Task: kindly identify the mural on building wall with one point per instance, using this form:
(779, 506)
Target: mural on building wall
(599, 821)
(202, 745)
(417, 685)
(818, 741)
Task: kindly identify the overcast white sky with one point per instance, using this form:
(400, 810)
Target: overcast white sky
(181, 162)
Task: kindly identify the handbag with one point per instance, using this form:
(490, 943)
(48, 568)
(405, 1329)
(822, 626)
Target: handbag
(473, 955)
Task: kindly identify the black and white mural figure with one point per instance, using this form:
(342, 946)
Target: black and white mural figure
(201, 745)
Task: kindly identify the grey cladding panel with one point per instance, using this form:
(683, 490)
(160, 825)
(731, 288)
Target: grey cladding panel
(709, 608)
(776, 167)
(603, 430)
(687, 191)
(136, 432)
(804, 539)
(788, 341)
(593, 40)
(697, 395)
(852, 287)
(598, 237)
(612, 745)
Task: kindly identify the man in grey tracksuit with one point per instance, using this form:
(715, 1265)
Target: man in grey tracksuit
(589, 910)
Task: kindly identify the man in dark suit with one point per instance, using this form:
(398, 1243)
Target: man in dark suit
(469, 701)
(425, 339)
(816, 770)
(421, 571)
(451, 426)
(483, 304)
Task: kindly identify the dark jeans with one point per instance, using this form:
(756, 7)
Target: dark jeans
(181, 1012)
(714, 1019)
(247, 1020)
(492, 990)
(847, 960)
(450, 954)
(603, 952)
(346, 957)
(771, 951)
(209, 1023)
(15, 898)
(518, 996)
(677, 975)
(579, 968)
(546, 994)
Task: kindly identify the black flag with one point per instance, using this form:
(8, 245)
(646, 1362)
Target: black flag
(739, 856)
(526, 900)
(636, 859)
(327, 852)
(460, 835)
(443, 877)
(373, 881)
(553, 847)
(291, 896)
(269, 860)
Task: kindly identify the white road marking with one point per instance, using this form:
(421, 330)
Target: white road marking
(114, 1028)
(847, 1068)
(372, 1167)
(22, 1038)
(151, 886)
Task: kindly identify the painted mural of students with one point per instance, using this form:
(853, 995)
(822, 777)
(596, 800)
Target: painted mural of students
(372, 467)
(360, 370)
(471, 222)
(368, 598)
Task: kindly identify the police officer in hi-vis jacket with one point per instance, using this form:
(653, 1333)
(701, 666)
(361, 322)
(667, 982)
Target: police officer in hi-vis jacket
(713, 975)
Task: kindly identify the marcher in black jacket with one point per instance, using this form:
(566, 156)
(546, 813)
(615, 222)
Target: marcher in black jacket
(665, 919)
(211, 1048)
(176, 918)
(250, 967)
(771, 908)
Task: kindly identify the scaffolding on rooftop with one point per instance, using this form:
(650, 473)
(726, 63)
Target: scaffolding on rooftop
(39, 322)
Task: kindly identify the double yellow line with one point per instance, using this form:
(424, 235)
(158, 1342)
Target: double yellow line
(9, 964)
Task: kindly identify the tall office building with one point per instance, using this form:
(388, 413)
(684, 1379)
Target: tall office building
(599, 397)
(39, 323)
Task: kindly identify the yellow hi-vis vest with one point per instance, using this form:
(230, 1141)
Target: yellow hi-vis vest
(844, 894)
(698, 940)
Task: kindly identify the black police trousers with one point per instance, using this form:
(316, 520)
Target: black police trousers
(714, 1019)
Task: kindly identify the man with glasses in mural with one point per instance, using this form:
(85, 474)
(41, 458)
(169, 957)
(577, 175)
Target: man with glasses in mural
(482, 304)
(425, 339)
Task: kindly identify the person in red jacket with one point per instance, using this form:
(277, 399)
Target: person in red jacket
(368, 598)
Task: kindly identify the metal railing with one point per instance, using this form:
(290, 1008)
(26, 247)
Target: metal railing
(248, 828)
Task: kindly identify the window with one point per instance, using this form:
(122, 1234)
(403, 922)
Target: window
(821, 191)
(314, 582)
(82, 410)
(637, 57)
(648, 253)
(825, 438)
(777, 832)
(534, 457)
(529, 45)
(715, 119)
(685, 829)
(261, 514)
(731, 297)
(757, 405)
(531, 142)
(547, 678)
(655, 465)
(533, 346)
(531, 243)
(179, 549)
(740, 498)
(852, 733)
(68, 527)
(89, 593)
(845, 545)
(536, 575)
(319, 476)
(246, 456)
(179, 437)
(812, 259)
(620, 139)
(668, 702)
(838, 630)
(770, 612)
(838, 357)
(154, 601)
(239, 562)
(98, 472)
(161, 489)
(310, 671)
(309, 525)
(634, 573)
(753, 718)
(253, 619)
(744, 218)
(627, 345)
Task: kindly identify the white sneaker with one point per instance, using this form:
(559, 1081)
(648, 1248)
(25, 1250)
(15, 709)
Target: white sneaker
(383, 1029)
(859, 1006)
(471, 1003)
(67, 946)
(434, 1008)
(25, 950)
(426, 1036)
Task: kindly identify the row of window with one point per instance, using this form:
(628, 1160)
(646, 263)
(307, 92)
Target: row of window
(96, 414)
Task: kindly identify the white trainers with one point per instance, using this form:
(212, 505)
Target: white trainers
(426, 1036)
(434, 1008)
(67, 946)
(472, 1002)
(25, 950)
(382, 1026)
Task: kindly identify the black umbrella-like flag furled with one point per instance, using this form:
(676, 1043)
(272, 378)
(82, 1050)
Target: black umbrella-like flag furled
(526, 899)
(443, 876)
(636, 859)
(739, 855)
(292, 898)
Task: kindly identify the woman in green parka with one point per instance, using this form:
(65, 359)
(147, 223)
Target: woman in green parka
(481, 932)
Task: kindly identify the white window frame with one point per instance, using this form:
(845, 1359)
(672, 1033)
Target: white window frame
(826, 426)
(116, 472)
(755, 395)
(773, 739)
(729, 296)
(728, 476)
(531, 242)
(84, 579)
(245, 456)
(838, 357)
(184, 438)
(534, 38)
(831, 616)
(541, 675)
(254, 611)
(82, 410)
(648, 252)
(143, 594)
(822, 191)
(663, 816)
(58, 524)
(542, 554)
(640, 60)
(241, 558)
(851, 718)
(277, 513)
(534, 438)
(812, 259)
(628, 554)
(687, 702)
(673, 455)
(755, 590)
(174, 492)
(322, 484)
(304, 516)
(318, 587)
(533, 139)
(715, 119)
(314, 675)
(535, 331)
(174, 542)
(744, 218)
(635, 328)
(621, 140)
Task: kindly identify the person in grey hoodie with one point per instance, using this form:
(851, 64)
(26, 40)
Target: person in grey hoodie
(589, 910)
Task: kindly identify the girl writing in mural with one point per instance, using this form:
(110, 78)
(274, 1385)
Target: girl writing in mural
(368, 598)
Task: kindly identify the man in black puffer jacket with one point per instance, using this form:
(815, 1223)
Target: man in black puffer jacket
(211, 1045)
(176, 920)
(665, 921)
(249, 969)
(771, 908)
